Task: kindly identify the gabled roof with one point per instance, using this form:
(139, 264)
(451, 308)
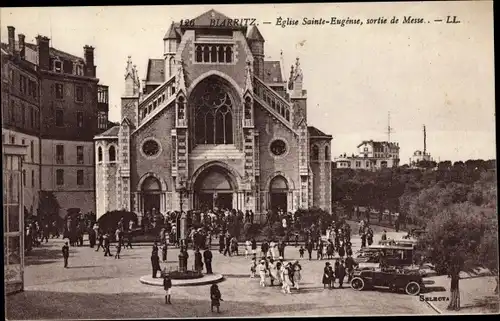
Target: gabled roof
(156, 70)
(205, 18)
(64, 55)
(272, 72)
(254, 34)
(314, 132)
(173, 31)
(112, 132)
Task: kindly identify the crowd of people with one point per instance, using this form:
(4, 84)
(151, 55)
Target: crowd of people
(268, 262)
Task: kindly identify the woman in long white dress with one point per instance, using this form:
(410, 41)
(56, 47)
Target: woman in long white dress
(296, 274)
(262, 273)
(272, 246)
(273, 271)
(286, 279)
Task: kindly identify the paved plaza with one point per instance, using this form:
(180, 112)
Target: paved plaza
(95, 286)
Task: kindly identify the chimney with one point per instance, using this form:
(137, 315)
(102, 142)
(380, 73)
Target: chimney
(12, 38)
(22, 45)
(43, 52)
(88, 52)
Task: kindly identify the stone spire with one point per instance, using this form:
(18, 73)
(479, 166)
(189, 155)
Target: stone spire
(131, 88)
(298, 71)
(297, 79)
(291, 79)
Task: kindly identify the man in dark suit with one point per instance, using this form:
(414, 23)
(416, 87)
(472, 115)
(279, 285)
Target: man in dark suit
(155, 263)
(309, 246)
(207, 257)
(65, 253)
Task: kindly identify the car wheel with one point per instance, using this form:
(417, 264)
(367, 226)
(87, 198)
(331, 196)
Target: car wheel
(412, 288)
(357, 284)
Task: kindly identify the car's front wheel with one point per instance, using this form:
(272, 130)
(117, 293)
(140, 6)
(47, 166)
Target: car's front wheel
(412, 288)
(357, 284)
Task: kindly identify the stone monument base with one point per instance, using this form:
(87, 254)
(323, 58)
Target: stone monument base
(204, 280)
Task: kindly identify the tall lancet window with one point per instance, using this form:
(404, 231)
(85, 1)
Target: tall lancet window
(248, 108)
(213, 115)
(229, 54)
(181, 109)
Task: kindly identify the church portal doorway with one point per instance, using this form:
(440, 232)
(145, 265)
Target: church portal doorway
(151, 194)
(279, 194)
(214, 188)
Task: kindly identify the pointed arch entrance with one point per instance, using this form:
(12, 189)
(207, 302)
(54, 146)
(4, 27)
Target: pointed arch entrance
(214, 187)
(278, 191)
(151, 194)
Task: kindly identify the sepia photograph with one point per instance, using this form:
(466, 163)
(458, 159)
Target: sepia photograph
(251, 160)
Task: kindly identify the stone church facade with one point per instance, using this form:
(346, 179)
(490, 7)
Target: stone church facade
(213, 125)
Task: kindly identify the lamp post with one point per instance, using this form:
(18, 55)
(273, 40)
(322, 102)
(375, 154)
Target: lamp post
(182, 229)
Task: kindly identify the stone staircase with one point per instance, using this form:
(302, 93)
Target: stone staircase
(216, 152)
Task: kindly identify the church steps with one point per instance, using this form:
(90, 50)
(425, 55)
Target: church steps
(223, 151)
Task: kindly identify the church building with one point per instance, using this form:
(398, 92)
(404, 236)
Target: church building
(214, 124)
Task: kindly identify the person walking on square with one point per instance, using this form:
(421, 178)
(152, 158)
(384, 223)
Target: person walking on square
(215, 297)
(198, 261)
(100, 239)
(383, 237)
(272, 248)
(207, 257)
(221, 243)
(155, 263)
(281, 248)
(319, 251)
(129, 239)
(248, 244)
(264, 248)
(297, 277)
(340, 274)
(301, 252)
(227, 248)
(341, 251)
(350, 264)
(167, 286)
(309, 246)
(253, 267)
(273, 271)
(287, 282)
(118, 250)
(327, 276)
(363, 240)
(164, 252)
(262, 273)
(107, 251)
(65, 253)
(254, 247)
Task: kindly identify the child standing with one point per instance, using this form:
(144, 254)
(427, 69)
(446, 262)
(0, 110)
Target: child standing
(301, 251)
(167, 286)
(253, 267)
(215, 297)
(118, 250)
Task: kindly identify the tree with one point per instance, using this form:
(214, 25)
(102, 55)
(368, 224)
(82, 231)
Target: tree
(455, 242)
(48, 207)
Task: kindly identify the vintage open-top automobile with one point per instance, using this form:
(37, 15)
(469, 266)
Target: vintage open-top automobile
(412, 283)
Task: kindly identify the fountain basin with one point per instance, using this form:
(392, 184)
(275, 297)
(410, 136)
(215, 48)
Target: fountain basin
(203, 280)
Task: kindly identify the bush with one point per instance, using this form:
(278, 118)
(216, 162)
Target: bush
(109, 221)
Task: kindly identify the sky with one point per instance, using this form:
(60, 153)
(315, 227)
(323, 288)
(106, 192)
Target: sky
(437, 74)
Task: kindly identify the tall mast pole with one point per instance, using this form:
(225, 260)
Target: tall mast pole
(425, 141)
